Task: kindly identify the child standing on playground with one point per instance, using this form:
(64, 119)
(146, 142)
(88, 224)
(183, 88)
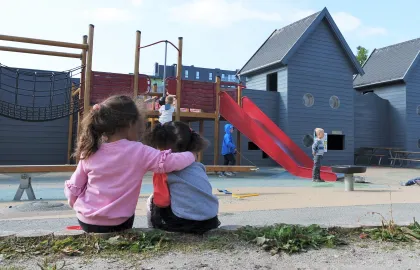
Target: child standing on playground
(166, 111)
(228, 149)
(182, 201)
(105, 187)
(318, 153)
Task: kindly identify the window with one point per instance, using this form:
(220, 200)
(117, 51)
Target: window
(334, 102)
(418, 144)
(418, 110)
(210, 76)
(272, 82)
(186, 74)
(197, 75)
(223, 77)
(335, 142)
(308, 100)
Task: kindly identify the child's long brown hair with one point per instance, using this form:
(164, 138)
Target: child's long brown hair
(105, 119)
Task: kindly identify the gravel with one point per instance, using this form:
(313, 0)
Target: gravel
(355, 256)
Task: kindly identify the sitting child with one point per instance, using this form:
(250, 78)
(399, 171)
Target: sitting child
(166, 111)
(189, 205)
(105, 187)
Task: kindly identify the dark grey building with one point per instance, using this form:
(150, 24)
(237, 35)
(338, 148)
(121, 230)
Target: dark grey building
(197, 73)
(392, 74)
(310, 67)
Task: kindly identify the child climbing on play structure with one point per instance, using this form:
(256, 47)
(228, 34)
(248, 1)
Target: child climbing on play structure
(228, 149)
(318, 153)
(182, 201)
(105, 187)
(166, 111)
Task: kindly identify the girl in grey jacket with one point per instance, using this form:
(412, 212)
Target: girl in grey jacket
(193, 207)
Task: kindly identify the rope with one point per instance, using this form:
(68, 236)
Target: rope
(38, 79)
(252, 163)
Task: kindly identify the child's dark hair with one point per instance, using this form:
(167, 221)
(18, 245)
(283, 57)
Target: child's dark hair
(105, 119)
(178, 137)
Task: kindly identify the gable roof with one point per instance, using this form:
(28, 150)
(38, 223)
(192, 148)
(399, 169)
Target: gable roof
(284, 42)
(389, 64)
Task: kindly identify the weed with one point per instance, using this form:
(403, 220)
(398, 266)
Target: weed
(289, 238)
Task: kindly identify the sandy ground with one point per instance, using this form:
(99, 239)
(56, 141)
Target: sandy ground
(354, 256)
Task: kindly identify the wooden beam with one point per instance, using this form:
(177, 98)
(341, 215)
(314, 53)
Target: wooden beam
(238, 134)
(216, 122)
(137, 64)
(82, 86)
(88, 75)
(231, 168)
(71, 168)
(44, 42)
(201, 132)
(178, 81)
(40, 52)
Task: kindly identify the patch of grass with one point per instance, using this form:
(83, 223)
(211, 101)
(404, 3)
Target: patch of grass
(290, 238)
(391, 232)
(11, 268)
(137, 242)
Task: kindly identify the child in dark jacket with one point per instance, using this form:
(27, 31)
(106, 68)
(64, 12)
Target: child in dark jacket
(228, 149)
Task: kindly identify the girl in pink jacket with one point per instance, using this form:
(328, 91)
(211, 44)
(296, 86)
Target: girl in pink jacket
(105, 187)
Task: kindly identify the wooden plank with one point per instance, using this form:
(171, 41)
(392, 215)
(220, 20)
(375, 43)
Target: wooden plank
(40, 52)
(221, 168)
(72, 168)
(44, 42)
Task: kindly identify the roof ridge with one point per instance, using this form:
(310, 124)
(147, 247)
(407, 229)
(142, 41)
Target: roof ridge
(296, 22)
(398, 44)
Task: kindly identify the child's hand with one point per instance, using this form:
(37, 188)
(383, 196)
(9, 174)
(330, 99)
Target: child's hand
(313, 153)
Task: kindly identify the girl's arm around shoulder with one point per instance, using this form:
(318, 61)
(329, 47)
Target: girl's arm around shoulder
(163, 161)
(77, 184)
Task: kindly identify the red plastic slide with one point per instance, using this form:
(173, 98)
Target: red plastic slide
(255, 125)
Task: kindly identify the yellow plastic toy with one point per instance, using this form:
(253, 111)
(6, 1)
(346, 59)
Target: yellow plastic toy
(240, 196)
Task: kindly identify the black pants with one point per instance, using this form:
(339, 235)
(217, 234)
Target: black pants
(107, 229)
(229, 159)
(165, 219)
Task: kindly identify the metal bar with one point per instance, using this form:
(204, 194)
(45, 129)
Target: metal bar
(32, 51)
(51, 93)
(44, 42)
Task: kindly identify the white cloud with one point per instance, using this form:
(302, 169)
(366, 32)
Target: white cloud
(218, 13)
(110, 14)
(349, 23)
(136, 2)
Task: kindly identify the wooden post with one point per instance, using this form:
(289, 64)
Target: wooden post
(238, 134)
(152, 119)
(82, 82)
(88, 75)
(178, 81)
(70, 137)
(216, 122)
(136, 64)
(201, 132)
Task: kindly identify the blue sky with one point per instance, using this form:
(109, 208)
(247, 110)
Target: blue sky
(217, 33)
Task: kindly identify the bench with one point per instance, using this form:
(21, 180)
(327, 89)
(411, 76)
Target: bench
(404, 159)
(26, 173)
(370, 156)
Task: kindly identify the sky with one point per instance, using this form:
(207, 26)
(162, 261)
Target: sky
(217, 33)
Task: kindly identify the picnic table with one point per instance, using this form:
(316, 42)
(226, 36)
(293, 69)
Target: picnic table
(402, 156)
(371, 152)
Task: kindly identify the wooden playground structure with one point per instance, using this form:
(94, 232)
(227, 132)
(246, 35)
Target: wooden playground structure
(196, 101)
